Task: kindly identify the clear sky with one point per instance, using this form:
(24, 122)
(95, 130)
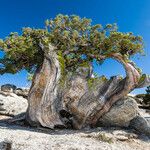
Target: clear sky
(130, 15)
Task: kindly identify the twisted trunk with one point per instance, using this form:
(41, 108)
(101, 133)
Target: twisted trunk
(78, 104)
(129, 83)
(44, 102)
(87, 106)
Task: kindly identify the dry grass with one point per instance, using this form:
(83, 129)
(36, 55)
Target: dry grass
(101, 137)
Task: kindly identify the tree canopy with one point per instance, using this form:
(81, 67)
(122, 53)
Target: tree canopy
(75, 39)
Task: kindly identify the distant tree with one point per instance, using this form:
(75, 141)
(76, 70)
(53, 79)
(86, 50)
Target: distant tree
(146, 98)
(148, 90)
(65, 44)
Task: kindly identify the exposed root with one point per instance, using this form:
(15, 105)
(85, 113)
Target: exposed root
(21, 119)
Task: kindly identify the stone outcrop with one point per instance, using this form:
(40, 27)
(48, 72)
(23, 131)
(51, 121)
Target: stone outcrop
(140, 124)
(12, 105)
(125, 113)
(8, 88)
(22, 92)
(120, 114)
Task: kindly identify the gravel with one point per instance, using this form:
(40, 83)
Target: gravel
(24, 138)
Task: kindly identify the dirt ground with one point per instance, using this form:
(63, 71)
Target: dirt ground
(27, 138)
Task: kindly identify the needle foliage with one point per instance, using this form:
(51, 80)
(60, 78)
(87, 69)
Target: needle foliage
(76, 41)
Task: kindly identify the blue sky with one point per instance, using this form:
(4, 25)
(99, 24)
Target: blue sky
(130, 15)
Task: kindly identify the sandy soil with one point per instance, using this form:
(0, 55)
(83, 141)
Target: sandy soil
(24, 138)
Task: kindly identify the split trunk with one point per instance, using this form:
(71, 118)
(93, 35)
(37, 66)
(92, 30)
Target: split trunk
(77, 105)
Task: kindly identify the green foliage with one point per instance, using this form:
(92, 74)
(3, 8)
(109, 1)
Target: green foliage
(93, 82)
(146, 99)
(30, 76)
(62, 67)
(142, 78)
(101, 137)
(148, 90)
(140, 96)
(104, 138)
(21, 52)
(75, 38)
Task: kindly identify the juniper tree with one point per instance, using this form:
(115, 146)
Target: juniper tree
(65, 44)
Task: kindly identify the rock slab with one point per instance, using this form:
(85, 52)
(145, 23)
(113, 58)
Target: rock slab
(121, 113)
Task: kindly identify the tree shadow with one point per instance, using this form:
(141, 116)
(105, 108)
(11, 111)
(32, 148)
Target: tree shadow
(5, 123)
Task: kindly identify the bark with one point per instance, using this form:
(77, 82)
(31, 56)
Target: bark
(76, 105)
(130, 82)
(87, 106)
(43, 96)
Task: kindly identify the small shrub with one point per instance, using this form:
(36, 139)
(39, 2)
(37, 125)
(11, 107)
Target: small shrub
(140, 96)
(104, 138)
(101, 137)
(146, 99)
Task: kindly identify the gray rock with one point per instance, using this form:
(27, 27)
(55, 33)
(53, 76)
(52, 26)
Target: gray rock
(141, 125)
(8, 88)
(22, 92)
(120, 114)
(148, 119)
(12, 105)
(138, 100)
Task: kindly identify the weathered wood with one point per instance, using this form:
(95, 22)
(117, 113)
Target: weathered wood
(76, 105)
(87, 106)
(121, 90)
(43, 95)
